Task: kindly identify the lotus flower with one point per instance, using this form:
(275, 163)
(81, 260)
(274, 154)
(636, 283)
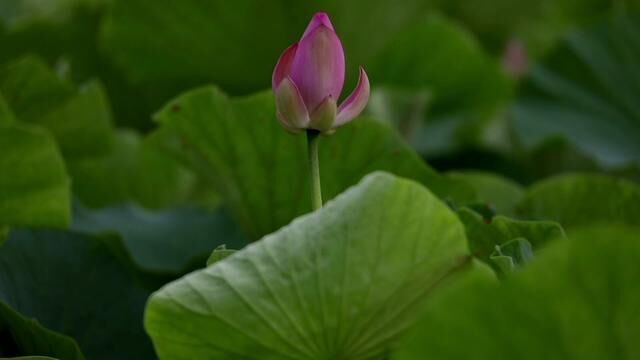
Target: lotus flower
(308, 79)
(514, 59)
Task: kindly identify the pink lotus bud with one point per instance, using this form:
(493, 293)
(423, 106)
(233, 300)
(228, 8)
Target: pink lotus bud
(308, 79)
(514, 59)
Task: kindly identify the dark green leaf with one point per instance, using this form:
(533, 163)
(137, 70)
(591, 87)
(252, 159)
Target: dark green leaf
(75, 284)
(189, 46)
(22, 336)
(34, 188)
(31, 358)
(82, 125)
(80, 121)
(575, 200)
(18, 12)
(463, 94)
(420, 58)
(6, 115)
(70, 43)
(32, 89)
(135, 170)
(236, 45)
(341, 283)
(588, 90)
(167, 241)
(498, 193)
(538, 24)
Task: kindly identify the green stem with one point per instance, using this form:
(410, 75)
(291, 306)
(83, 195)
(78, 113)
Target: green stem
(314, 168)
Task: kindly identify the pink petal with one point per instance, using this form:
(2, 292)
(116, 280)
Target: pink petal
(356, 102)
(318, 19)
(318, 66)
(283, 66)
(514, 59)
(291, 110)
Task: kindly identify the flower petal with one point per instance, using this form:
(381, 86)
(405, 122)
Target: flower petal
(318, 19)
(356, 102)
(318, 66)
(283, 66)
(290, 108)
(323, 117)
(286, 125)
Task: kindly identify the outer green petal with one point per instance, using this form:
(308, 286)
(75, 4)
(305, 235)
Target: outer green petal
(292, 111)
(324, 115)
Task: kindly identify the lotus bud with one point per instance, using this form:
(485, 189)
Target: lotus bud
(514, 59)
(308, 79)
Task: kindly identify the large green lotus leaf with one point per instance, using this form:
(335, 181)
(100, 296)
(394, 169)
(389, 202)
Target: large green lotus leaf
(463, 94)
(575, 200)
(340, 283)
(79, 286)
(79, 120)
(34, 187)
(588, 90)
(557, 155)
(134, 170)
(500, 194)
(166, 241)
(484, 237)
(576, 300)
(261, 171)
(23, 336)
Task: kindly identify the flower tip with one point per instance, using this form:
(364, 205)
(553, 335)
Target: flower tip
(321, 16)
(318, 19)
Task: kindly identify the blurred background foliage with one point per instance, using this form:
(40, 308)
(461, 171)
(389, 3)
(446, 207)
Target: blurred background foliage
(496, 86)
(497, 97)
